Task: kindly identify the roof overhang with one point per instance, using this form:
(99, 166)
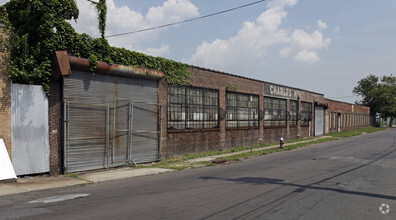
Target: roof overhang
(64, 64)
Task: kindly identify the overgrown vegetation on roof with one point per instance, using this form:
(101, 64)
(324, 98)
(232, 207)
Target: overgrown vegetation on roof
(38, 28)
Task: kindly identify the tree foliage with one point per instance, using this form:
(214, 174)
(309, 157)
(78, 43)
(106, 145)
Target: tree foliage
(37, 28)
(379, 94)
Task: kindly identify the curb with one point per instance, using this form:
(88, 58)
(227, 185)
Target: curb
(22, 185)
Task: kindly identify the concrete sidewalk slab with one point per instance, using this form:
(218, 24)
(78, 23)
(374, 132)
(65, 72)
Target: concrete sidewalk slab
(23, 185)
(29, 184)
(122, 173)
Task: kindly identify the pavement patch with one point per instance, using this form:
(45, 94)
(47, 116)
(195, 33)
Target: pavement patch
(60, 198)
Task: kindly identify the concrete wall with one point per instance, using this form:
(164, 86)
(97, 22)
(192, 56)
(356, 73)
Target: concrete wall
(5, 97)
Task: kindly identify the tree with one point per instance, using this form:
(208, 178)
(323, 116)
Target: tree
(37, 28)
(378, 94)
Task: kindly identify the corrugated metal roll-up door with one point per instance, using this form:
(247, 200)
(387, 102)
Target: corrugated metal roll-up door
(85, 136)
(144, 133)
(319, 120)
(109, 121)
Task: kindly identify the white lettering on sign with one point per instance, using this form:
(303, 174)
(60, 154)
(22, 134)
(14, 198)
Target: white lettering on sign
(280, 91)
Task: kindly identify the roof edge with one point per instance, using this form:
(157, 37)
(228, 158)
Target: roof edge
(64, 63)
(244, 77)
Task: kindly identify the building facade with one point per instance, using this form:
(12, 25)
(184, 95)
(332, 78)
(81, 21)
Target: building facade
(122, 115)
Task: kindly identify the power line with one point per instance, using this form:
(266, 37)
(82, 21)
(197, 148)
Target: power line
(188, 20)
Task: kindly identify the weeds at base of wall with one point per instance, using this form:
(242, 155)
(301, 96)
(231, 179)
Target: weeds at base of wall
(175, 163)
(356, 132)
(76, 176)
(234, 149)
(181, 162)
(247, 155)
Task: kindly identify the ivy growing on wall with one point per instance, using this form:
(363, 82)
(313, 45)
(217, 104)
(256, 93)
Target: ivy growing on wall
(38, 28)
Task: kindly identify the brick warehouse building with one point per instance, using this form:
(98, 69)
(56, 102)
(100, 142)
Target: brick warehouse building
(122, 115)
(279, 111)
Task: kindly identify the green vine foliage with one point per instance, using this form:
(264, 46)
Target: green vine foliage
(101, 8)
(38, 28)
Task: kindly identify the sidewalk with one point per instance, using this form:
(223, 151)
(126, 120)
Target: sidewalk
(28, 184)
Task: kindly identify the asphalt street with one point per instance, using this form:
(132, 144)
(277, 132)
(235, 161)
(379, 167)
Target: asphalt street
(351, 178)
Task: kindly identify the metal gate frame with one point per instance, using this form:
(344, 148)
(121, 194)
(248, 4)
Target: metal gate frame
(66, 134)
(158, 132)
(111, 130)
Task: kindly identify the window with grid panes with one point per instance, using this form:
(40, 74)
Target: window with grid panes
(306, 113)
(192, 108)
(293, 112)
(241, 108)
(274, 112)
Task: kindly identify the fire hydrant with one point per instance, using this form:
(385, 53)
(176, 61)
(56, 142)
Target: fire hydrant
(281, 142)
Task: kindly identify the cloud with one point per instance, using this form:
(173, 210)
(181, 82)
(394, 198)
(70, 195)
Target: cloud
(249, 44)
(253, 42)
(336, 29)
(123, 19)
(322, 25)
(156, 52)
(310, 41)
(281, 3)
(305, 56)
(285, 52)
(171, 11)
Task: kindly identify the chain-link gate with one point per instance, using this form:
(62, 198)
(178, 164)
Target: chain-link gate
(103, 136)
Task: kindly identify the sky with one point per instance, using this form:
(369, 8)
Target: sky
(317, 45)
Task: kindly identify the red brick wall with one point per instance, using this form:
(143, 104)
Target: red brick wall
(352, 116)
(55, 127)
(178, 142)
(181, 143)
(242, 137)
(5, 98)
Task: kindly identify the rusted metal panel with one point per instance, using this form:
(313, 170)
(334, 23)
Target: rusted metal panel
(62, 65)
(100, 128)
(30, 130)
(82, 64)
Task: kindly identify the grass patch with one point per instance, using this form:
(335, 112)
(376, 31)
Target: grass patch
(181, 162)
(76, 176)
(238, 157)
(236, 149)
(356, 132)
(174, 163)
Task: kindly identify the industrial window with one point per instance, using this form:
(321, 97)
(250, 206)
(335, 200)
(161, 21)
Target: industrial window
(306, 113)
(241, 108)
(192, 108)
(274, 112)
(293, 112)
